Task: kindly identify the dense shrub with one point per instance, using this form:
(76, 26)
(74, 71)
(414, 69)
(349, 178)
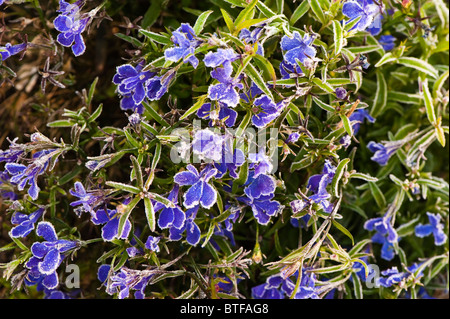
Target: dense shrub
(225, 149)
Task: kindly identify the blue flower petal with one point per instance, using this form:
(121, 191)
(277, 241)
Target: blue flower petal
(50, 262)
(51, 281)
(47, 231)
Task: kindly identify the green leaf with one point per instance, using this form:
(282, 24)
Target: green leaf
(137, 172)
(256, 77)
(200, 22)
(228, 20)
(343, 230)
(418, 64)
(267, 67)
(135, 42)
(123, 187)
(150, 213)
(358, 290)
(152, 13)
(194, 108)
(209, 234)
(429, 107)
(323, 105)
(377, 195)
(61, 123)
(363, 49)
(130, 137)
(381, 95)
(247, 24)
(346, 123)
(155, 115)
(323, 85)
(338, 36)
(265, 10)
(340, 169)
(96, 114)
(362, 176)
(318, 11)
(159, 38)
(126, 214)
(387, 58)
(299, 12)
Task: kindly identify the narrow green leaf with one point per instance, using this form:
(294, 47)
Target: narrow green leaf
(135, 42)
(61, 123)
(228, 20)
(130, 137)
(159, 38)
(418, 64)
(150, 213)
(343, 230)
(340, 169)
(429, 107)
(256, 77)
(123, 187)
(137, 172)
(209, 234)
(338, 36)
(299, 12)
(246, 13)
(387, 58)
(267, 67)
(318, 11)
(346, 123)
(126, 214)
(95, 114)
(358, 290)
(377, 195)
(194, 108)
(381, 94)
(201, 21)
(155, 115)
(362, 176)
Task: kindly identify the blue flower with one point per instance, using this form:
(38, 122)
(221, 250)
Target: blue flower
(368, 11)
(152, 243)
(383, 152)
(88, 200)
(170, 216)
(292, 138)
(110, 218)
(132, 85)
(13, 153)
(23, 175)
(262, 185)
(48, 255)
(260, 163)
(201, 192)
(71, 24)
(230, 161)
(190, 227)
(222, 57)
(434, 227)
(208, 145)
(289, 71)
(220, 114)
(263, 207)
(391, 276)
(278, 287)
(265, 111)
(128, 279)
(252, 37)
(358, 117)
(341, 93)
(25, 223)
(225, 91)
(297, 48)
(9, 50)
(387, 42)
(185, 45)
(251, 94)
(385, 235)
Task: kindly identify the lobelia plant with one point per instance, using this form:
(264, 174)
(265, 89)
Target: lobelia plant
(260, 149)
